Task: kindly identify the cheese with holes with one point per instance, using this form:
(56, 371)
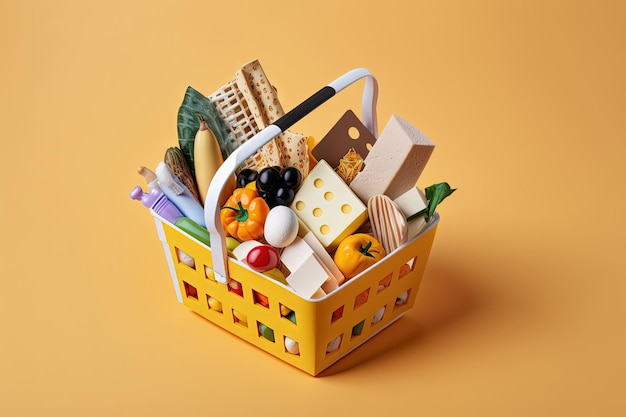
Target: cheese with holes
(395, 162)
(328, 207)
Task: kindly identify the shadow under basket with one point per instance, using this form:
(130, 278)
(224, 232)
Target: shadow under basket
(309, 334)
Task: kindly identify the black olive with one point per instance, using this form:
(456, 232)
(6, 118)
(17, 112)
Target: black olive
(291, 177)
(285, 196)
(246, 176)
(268, 180)
(270, 199)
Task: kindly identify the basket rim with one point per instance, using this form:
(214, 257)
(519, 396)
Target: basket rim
(352, 281)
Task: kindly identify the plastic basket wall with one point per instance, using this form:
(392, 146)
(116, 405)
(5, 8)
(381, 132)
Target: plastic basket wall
(347, 317)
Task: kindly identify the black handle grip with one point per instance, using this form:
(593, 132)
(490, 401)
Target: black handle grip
(304, 108)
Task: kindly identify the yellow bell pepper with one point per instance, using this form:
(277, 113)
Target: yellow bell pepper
(356, 253)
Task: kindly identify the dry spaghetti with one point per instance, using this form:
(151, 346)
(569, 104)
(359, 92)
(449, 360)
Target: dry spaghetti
(349, 166)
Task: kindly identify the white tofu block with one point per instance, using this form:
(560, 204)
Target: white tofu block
(306, 273)
(293, 255)
(411, 202)
(324, 257)
(395, 162)
(328, 207)
(307, 279)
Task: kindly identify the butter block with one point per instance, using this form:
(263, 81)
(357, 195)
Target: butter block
(411, 202)
(395, 162)
(328, 207)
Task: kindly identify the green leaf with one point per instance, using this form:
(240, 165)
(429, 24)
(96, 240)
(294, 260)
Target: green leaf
(435, 194)
(194, 104)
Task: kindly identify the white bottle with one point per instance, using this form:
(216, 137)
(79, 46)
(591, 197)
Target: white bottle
(179, 194)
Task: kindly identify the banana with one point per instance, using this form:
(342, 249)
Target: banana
(207, 157)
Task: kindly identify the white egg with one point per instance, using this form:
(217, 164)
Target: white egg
(281, 226)
(378, 316)
(186, 259)
(292, 346)
(402, 298)
(333, 344)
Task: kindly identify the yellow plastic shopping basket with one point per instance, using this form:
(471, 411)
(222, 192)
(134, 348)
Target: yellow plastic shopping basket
(271, 315)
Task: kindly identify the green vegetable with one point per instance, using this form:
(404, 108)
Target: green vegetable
(194, 104)
(435, 194)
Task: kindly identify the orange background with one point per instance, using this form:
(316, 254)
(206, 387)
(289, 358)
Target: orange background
(522, 309)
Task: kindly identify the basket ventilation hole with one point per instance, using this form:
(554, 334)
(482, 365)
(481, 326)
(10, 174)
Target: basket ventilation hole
(213, 304)
(235, 287)
(384, 283)
(291, 346)
(337, 314)
(402, 298)
(240, 318)
(190, 290)
(185, 258)
(407, 267)
(378, 315)
(209, 274)
(334, 344)
(265, 332)
(260, 299)
(288, 313)
(358, 328)
(361, 298)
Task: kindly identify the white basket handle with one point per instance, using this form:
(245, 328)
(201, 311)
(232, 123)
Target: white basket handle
(219, 253)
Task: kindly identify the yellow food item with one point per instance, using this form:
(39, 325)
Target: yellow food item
(284, 310)
(240, 317)
(207, 158)
(356, 253)
(214, 304)
(276, 274)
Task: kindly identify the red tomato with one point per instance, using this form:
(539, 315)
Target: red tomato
(262, 258)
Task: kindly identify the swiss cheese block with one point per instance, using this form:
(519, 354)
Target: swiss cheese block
(328, 207)
(395, 162)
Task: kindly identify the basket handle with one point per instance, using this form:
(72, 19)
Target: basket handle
(219, 253)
